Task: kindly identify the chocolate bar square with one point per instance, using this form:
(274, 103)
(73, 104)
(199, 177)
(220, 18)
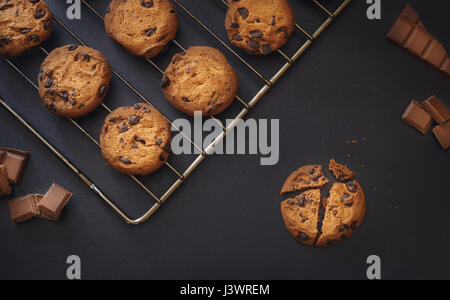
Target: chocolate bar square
(418, 41)
(5, 187)
(435, 54)
(15, 161)
(54, 201)
(400, 32)
(417, 117)
(442, 133)
(23, 209)
(437, 109)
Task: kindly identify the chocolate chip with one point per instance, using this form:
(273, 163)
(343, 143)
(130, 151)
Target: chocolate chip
(354, 226)
(72, 47)
(48, 83)
(335, 212)
(138, 139)
(284, 30)
(52, 90)
(52, 107)
(303, 237)
(253, 44)
(162, 158)
(80, 106)
(237, 38)
(243, 12)
(5, 40)
(125, 160)
(47, 24)
(102, 90)
(351, 186)
(133, 120)
(345, 197)
(273, 21)
(147, 3)
(316, 177)
(301, 201)
(304, 220)
(34, 38)
(173, 11)
(25, 30)
(234, 25)
(63, 95)
(184, 99)
(83, 56)
(292, 202)
(41, 76)
(343, 228)
(112, 120)
(73, 102)
(151, 31)
(165, 82)
(33, 1)
(256, 34)
(159, 142)
(40, 13)
(266, 49)
(147, 110)
(136, 106)
(124, 128)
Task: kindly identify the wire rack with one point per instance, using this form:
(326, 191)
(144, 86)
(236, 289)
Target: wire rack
(181, 176)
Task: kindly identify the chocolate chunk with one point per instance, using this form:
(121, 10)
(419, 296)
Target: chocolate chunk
(124, 128)
(237, 38)
(442, 133)
(345, 197)
(41, 76)
(159, 142)
(101, 91)
(165, 82)
(256, 34)
(437, 109)
(184, 99)
(63, 95)
(312, 171)
(25, 30)
(133, 120)
(138, 139)
(33, 38)
(273, 21)
(151, 31)
(284, 30)
(136, 106)
(147, 3)
(172, 11)
(5, 40)
(83, 56)
(125, 160)
(5, 187)
(234, 25)
(253, 44)
(32, 1)
(53, 202)
(80, 106)
(266, 49)
(343, 228)
(73, 102)
(40, 13)
(292, 202)
(23, 209)
(303, 237)
(316, 177)
(243, 12)
(112, 120)
(72, 47)
(301, 201)
(416, 116)
(351, 187)
(48, 83)
(162, 158)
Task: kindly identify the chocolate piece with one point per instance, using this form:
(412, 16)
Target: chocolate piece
(409, 33)
(22, 209)
(442, 133)
(437, 109)
(417, 117)
(5, 187)
(15, 161)
(53, 202)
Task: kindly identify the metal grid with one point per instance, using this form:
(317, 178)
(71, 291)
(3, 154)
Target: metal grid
(181, 176)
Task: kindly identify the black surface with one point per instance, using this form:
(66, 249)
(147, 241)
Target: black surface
(224, 222)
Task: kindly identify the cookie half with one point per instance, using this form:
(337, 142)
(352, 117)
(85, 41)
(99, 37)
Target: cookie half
(142, 27)
(136, 140)
(200, 79)
(24, 24)
(259, 27)
(74, 80)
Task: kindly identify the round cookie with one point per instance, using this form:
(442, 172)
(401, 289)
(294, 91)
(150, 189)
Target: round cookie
(259, 27)
(301, 216)
(73, 80)
(142, 27)
(344, 213)
(136, 140)
(24, 24)
(200, 79)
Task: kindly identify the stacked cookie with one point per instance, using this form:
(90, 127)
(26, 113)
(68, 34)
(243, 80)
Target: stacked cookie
(319, 222)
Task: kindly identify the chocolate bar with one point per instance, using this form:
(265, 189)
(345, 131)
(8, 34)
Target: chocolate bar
(437, 109)
(5, 187)
(23, 209)
(53, 202)
(15, 161)
(442, 133)
(417, 117)
(409, 33)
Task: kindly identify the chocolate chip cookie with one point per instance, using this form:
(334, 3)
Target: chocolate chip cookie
(200, 79)
(136, 140)
(73, 80)
(259, 27)
(23, 25)
(142, 27)
(321, 223)
(301, 216)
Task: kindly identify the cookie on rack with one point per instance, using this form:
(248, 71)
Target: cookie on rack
(142, 27)
(136, 140)
(259, 27)
(74, 80)
(24, 24)
(345, 209)
(200, 79)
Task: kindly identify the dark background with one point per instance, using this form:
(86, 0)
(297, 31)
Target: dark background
(224, 222)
